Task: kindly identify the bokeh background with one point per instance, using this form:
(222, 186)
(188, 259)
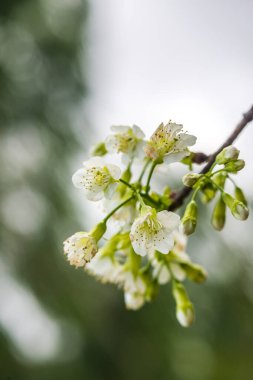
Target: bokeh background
(68, 70)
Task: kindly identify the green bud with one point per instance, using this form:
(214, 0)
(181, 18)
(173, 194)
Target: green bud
(208, 193)
(184, 307)
(219, 215)
(98, 231)
(237, 208)
(228, 154)
(228, 199)
(234, 166)
(99, 150)
(190, 179)
(189, 226)
(240, 211)
(239, 195)
(189, 220)
(194, 272)
(219, 179)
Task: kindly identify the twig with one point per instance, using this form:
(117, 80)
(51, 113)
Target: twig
(199, 157)
(180, 196)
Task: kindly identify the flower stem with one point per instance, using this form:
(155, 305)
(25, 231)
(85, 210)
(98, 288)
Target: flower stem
(194, 194)
(150, 199)
(117, 208)
(215, 184)
(150, 175)
(136, 192)
(218, 171)
(140, 198)
(127, 184)
(232, 180)
(143, 171)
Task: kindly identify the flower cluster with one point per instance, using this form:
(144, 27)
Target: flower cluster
(148, 249)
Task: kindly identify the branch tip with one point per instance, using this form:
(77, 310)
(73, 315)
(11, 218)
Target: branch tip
(179, 197)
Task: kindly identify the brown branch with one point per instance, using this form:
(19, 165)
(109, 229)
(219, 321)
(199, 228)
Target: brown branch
(180, 196)
(199, 157)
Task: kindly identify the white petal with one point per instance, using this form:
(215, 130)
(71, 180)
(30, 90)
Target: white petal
(164, 275)
(114, 170)
(140, 248)
(185, 317)
(100, 266)
(129, 283)
(180, 237)
(134, 301)
(120, 128)
(111, 143)
(175, 157)
(163, 242)
(189, 140)
(125, 159)
(110, 191)
(177, 271)
(168, 219)
(94, 196)
(139, 150)
(140, 285)
(175, 128)
(77, 178)
(94, 161)
(142, 245)
(138, 132)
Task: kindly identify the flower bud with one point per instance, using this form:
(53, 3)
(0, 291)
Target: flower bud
(238, 209)
(98, 231)
(194, 272)
(219, 215)
(228, 154)
(220, 179)
(234, 166)
(189, 220)
(98, 150)
(239, 195)
(184, 307)
(80, 248)
(190, 179)
(209, 192)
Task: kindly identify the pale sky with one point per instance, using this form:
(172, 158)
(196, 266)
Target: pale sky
(186, 60)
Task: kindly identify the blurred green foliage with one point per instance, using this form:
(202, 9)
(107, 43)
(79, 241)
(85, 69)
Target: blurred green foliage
(42, 84)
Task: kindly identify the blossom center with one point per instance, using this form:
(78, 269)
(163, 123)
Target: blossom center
(96, 177)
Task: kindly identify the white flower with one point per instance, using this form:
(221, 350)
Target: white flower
(133, 284)
(80, 248)
(168, 143)
(161, 272)
(124, 216)
(163, 267)
(179, 248)
(134, 301)
(135, 289)
(97, 179)
(104, 267)
(153, 231)
(126, 140)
